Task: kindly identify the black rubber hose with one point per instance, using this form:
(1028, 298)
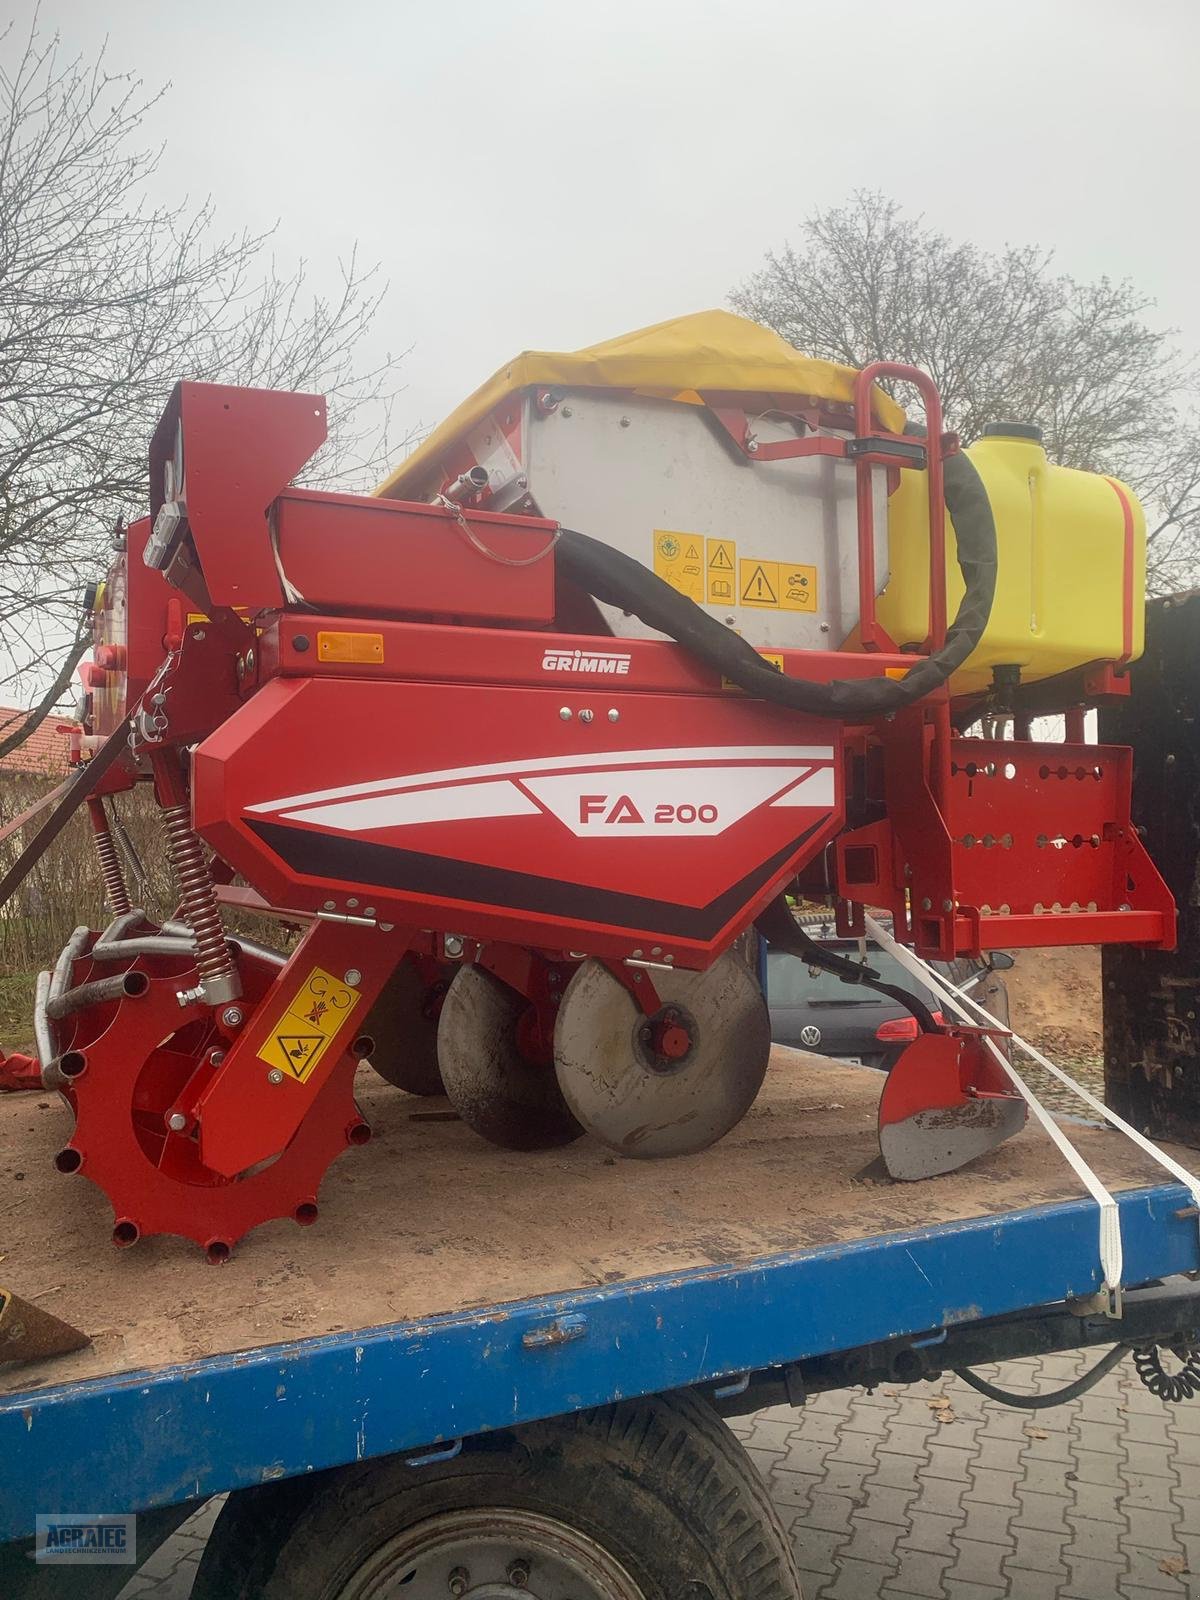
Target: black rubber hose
(1056, 1397)
(616, 579)
(782, 932)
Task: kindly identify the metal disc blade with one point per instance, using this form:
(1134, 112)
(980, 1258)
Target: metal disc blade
(496, 1090)
(944, 1103)
(639, 1105)
(403, 1023)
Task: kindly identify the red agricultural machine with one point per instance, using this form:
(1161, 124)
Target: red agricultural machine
(524, 787)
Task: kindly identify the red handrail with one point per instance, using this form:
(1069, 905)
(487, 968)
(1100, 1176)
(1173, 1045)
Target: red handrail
(873, 635)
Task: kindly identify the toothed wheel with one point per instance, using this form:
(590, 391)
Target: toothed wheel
(403, 1025)
(498, 1075)
(670, 1083)
(128, 1063)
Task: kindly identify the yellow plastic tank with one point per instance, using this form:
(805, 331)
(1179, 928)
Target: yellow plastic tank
(1070, 584)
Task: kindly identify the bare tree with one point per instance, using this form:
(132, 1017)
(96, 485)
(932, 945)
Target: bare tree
(107, 300)
(1005, 336)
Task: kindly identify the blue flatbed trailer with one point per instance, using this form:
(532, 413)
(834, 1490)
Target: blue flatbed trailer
(778, 1262)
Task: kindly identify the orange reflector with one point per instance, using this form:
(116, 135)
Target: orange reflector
(349, 647)
(896, 672)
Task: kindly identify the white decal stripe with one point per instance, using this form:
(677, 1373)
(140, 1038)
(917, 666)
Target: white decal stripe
(815, 790)
(459, 803)
(535, 764)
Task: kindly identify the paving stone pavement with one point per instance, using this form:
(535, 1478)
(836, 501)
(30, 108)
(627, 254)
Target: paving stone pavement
(931, 1492)
(171, 1570)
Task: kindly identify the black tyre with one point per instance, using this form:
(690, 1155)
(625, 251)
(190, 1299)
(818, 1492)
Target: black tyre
(645, 1500)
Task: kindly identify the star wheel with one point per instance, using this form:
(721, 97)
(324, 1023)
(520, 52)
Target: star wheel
(126, 1065)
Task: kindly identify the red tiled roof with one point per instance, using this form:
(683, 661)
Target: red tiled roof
(45, 750)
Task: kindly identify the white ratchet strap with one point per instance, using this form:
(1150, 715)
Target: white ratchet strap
(1111, 1253)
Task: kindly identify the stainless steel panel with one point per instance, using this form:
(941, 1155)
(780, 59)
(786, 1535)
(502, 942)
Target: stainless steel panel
(621, 468)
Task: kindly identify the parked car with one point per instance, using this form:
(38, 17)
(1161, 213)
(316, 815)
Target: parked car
(816, 1010)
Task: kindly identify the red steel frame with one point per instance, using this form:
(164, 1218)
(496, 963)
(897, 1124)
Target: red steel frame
(343, 552)
(412, 752)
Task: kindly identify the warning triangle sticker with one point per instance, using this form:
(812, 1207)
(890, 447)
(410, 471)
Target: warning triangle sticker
(720, 559)
(692, 553)
(758, 588)
(298, 1049)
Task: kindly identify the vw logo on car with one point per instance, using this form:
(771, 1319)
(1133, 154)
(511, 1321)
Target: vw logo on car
(809, 1035)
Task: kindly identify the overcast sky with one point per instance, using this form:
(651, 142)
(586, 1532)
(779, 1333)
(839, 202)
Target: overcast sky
(542, 174)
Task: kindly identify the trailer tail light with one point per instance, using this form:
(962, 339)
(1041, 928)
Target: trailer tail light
(902, 1030)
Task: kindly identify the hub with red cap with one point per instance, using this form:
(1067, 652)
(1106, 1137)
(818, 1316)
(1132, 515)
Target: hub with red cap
(667, 1036)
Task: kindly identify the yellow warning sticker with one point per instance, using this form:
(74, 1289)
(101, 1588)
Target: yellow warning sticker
(758, 583)
(776, 585)
(797, 588)
(721, 571)
(711, 570)
(314, 1015)
(679, 561)
(773, 656)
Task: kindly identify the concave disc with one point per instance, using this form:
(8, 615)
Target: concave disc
(497, 1090)
(403, 1025)
(640, 1103)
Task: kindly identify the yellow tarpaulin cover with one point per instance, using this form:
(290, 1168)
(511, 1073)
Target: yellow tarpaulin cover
(709, 350)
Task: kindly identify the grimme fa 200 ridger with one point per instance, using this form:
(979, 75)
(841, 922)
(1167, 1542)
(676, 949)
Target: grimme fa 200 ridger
(525, 787)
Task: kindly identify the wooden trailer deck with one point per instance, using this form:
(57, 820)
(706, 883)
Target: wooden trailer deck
(427, 1219)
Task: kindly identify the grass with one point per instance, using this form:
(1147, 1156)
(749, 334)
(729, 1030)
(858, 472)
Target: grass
(16, 1009)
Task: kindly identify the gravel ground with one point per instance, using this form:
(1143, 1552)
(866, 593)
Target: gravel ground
(1086, 1067)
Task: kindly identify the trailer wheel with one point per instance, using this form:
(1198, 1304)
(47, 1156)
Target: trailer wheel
(644, 1500)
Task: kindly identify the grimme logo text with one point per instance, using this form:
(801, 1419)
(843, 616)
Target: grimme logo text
(586, 661)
